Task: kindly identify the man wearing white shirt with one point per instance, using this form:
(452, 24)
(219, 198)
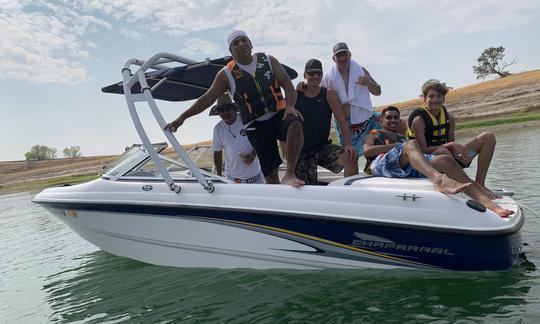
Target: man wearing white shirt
(241, 162)
(353, 84)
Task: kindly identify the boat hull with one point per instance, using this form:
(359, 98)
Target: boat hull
(226, 238)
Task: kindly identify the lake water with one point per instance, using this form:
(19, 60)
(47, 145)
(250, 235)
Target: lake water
(49, 274)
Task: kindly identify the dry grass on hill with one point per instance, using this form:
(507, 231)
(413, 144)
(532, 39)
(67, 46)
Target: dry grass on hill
(517, 92)
(24, 171)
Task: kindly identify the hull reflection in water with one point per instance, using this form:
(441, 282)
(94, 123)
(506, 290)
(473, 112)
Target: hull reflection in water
(121, 289)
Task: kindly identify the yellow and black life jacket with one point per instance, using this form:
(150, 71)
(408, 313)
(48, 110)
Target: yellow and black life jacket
(258, 93)
(383, 138)
(437, 129)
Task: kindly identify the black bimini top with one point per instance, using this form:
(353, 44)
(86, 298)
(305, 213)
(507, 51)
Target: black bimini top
(183, 83)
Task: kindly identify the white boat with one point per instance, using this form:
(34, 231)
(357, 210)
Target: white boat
(162, 211)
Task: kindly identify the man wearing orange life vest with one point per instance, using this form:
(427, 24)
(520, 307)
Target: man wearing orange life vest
(433, 128)
(255, 82)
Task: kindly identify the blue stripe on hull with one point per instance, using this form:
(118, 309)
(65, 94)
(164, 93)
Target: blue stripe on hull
(390, 245)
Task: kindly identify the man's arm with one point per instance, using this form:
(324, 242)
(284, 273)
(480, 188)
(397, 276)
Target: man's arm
(373, 87)
(339, 114)
(451, 128)
(285, 82)
(218, 162)
(372, 150)
(218, 87)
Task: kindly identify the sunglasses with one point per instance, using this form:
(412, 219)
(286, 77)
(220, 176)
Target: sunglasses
(227, 107)
(342, 53)
(313, 73)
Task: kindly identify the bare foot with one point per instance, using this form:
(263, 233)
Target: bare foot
(448, 186)
(292, 180)
(497, 209)
(493, 195)
(490, 193)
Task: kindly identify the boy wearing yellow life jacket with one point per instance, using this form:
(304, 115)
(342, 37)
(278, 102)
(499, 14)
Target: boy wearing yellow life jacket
(433, 128)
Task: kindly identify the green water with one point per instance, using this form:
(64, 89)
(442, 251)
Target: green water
(49, 274)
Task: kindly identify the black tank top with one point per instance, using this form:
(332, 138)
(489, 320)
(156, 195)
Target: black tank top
(317, 117)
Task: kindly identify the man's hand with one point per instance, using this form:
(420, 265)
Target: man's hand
(175, 124)
(292, 111)
(455, 148)
(249, 158)
(351, 152)
(301, 86)
(363, 80)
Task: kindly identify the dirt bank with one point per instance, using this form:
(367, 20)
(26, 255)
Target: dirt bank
(515, 93)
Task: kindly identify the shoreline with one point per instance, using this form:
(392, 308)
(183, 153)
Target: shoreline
(494, 124)
(532, 124)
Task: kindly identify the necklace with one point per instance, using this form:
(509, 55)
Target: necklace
(230, 132)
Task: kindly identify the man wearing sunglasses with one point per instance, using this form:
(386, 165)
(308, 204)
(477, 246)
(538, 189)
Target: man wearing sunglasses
(241, 162)
(390, 155)
(317, 105)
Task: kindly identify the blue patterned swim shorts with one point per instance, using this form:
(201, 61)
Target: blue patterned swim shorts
(358, 138)
(387, 165)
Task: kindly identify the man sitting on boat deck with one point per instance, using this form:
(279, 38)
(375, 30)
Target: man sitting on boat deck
(317, 105)
(241, 162)
(390, 155)
(433, 128)
(255, 82)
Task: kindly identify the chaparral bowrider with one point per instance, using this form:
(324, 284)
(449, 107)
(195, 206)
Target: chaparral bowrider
(153, 208)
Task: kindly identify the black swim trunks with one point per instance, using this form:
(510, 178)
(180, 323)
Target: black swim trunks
(263, 136)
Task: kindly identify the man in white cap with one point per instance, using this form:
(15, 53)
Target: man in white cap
(353, 84)
(241, 162)
(255, 82)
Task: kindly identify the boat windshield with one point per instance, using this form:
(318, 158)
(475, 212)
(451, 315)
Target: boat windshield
(149, 169)
(135, 162)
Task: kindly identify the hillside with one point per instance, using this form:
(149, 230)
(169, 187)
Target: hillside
(516, 93)
(513, 95)
(13, 172)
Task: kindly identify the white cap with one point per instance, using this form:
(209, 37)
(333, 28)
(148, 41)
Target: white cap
(234, 35)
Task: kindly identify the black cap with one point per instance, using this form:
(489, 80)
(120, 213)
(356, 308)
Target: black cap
(313, 64)
(339, 47)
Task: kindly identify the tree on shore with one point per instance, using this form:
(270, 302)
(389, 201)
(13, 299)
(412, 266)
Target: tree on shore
(72, 152)
(490, 62)
(40, 152)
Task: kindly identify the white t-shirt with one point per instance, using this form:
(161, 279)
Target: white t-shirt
(233, 141)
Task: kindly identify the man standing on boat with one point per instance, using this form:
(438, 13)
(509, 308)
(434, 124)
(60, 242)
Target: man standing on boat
(390, 155)
(255, 82)
(433, 128)
(354, 85)
(317, 105)
(241, 162)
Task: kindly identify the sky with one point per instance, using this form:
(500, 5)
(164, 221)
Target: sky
(56, 55)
